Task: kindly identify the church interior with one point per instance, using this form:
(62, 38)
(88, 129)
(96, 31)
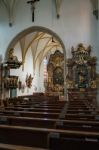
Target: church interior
(49, 74)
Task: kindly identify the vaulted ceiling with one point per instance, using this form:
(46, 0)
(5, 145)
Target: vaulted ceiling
(40, 44)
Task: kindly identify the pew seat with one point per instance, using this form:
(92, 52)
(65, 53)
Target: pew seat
(28, 121)
(29, 114)
(42, 138)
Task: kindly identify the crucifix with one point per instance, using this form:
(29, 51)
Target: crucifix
(32, 2)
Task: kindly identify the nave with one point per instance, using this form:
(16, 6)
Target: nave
(49, 74)
(44, 122)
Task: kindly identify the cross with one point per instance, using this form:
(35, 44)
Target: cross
(32, 2)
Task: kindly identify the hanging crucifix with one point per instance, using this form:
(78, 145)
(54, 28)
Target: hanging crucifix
(32, 2)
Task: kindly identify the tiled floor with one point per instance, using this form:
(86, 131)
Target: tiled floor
(15, 147)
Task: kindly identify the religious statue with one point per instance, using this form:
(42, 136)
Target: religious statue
(29, 80)
(93, 84)
(32, 3)
(11, 57)
(70, 84)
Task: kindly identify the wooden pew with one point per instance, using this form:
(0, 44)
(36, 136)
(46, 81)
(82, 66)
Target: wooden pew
(62, 138)
(25, 136)
(79, 111)
(28, 122)
(80, 116)
(33, 109)
(78, 107)
(38, 106)
(43, 138)
(50, 123)
(78, 125)
(36, 98)
(29, 114)
(76, 140)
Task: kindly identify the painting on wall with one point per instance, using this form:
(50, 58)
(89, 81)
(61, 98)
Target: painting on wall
(58, 77)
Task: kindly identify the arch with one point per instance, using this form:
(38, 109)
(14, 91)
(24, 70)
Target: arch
(33, 29)
(45, 30)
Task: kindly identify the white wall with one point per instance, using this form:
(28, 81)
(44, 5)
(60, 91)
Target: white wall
(76, 24)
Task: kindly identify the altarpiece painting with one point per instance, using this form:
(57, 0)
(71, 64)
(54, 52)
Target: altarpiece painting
(55, 69)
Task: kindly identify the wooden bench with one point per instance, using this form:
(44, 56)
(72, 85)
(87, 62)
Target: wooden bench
(28, 122)
(78, 107)
(79, 111)
(38, 106)
(80, 116)
(43, 138)
(30, 114)
(78, 125)
(33, 109)
(50, 123)
(77, 140)
(24, 136)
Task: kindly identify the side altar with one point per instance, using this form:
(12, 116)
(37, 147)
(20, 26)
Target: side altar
(81, 77)
(55, 70)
